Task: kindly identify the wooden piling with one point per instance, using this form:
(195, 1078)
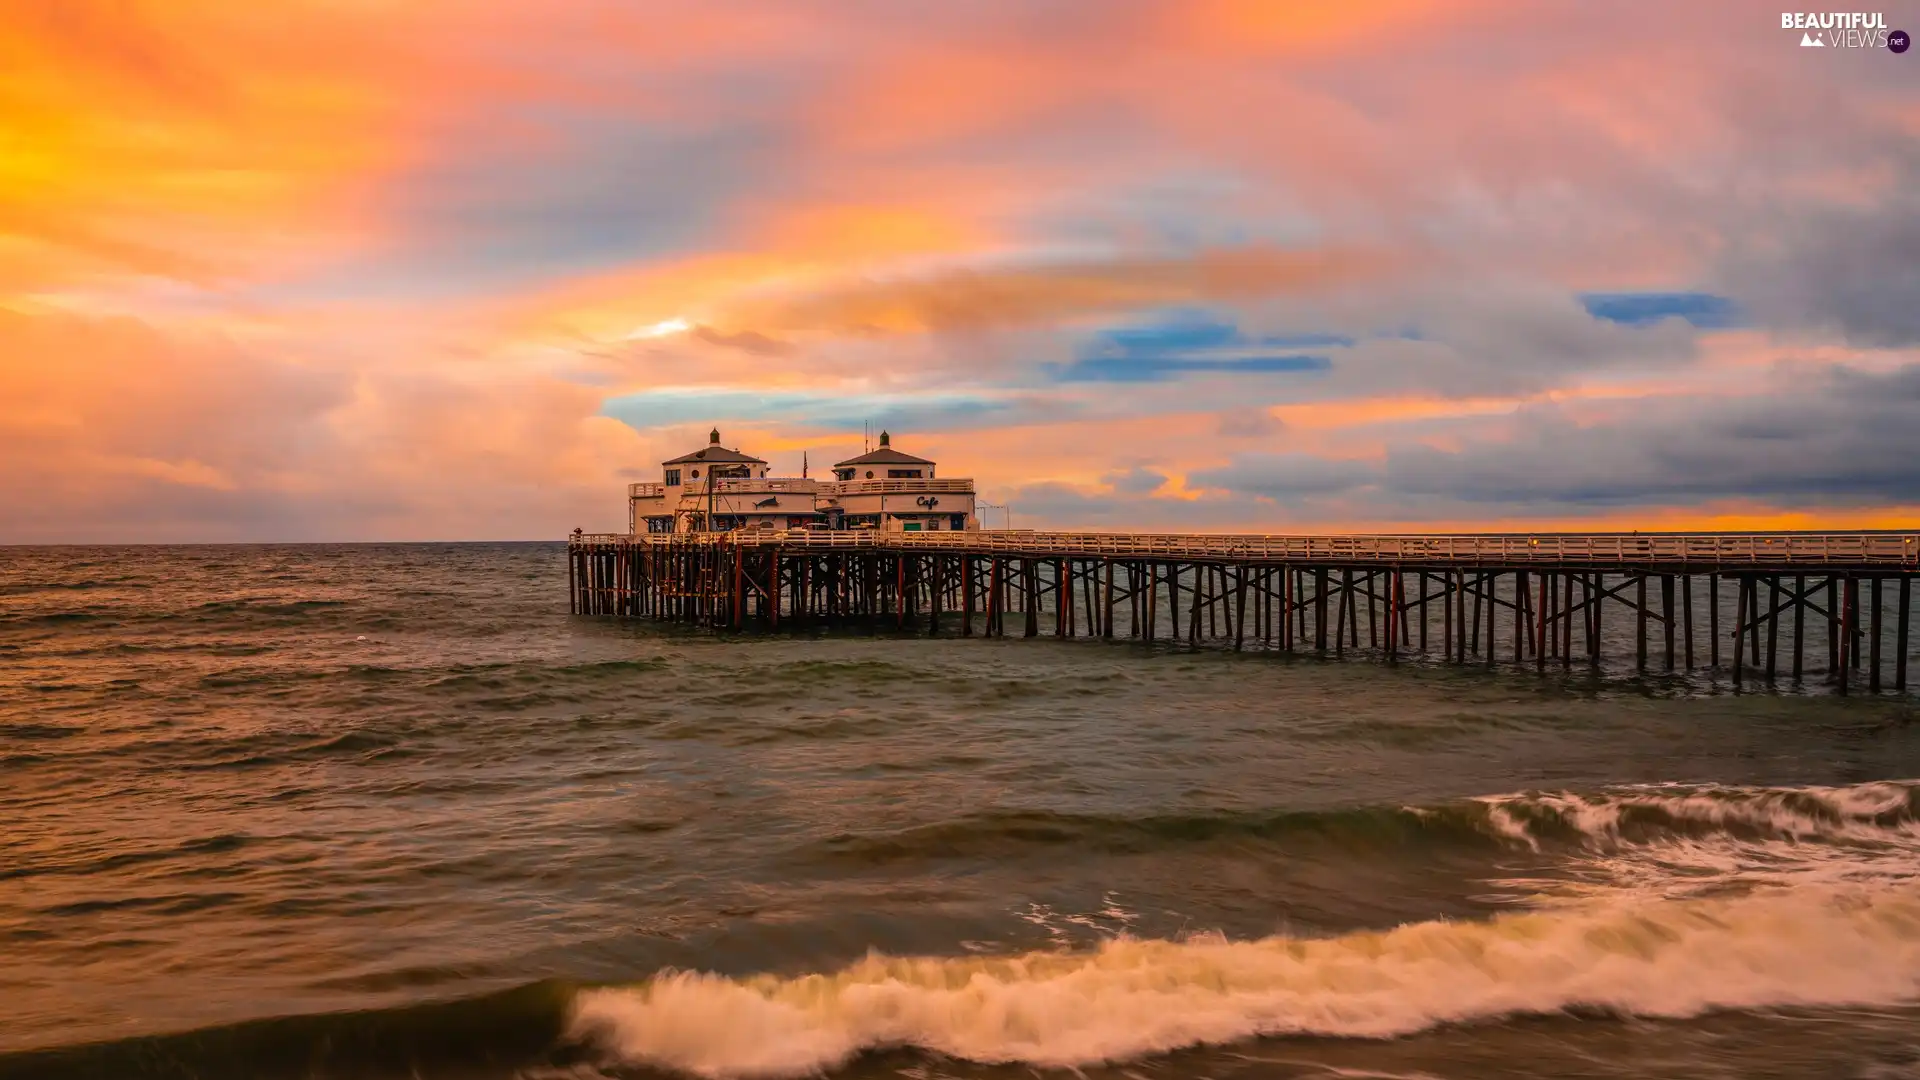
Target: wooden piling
(1666, 617)
(1799, 604)
(1846, 634)
(1320, 610)
(1566, 620)
(1106, 603)
(1773, 625)
(1686, 616)
(966, 596)
(1901, 645)
(1713, 621)
(1597, 604)
(1393, 616)
(1873, 636)
(1543, 619)
(1740, 621)
(1833, 625)
(1640, 613)
(1030, 596)
(1240, 608)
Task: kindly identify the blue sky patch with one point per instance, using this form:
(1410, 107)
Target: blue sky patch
(1158, 368)
(1703, 310)
(668, 408)
(1187, 343)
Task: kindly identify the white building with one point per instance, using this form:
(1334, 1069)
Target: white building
(719, 489)
(886, 489)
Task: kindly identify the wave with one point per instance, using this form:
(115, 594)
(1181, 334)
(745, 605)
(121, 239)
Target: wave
(1004, 834)
(460, 1037)
(1133, 998)
(1879, 814)
(1672, 842)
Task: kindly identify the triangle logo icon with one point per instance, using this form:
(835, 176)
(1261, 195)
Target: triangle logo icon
(1807, 40)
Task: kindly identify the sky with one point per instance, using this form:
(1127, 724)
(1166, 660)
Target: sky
(327, 270)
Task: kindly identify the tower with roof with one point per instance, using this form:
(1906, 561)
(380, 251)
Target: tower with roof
(718, 489)
(889, 489)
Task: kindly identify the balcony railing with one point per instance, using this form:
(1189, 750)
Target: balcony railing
(963, 486)
(784, 483)
(726, 485)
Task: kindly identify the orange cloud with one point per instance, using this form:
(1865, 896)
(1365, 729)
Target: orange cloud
(177, 139)
(1253, 27)
(116, 430)
(989, 298)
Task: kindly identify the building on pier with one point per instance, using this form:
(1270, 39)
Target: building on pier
(718, 489)
(888, 490)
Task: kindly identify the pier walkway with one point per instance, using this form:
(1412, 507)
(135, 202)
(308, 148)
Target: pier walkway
(1843, 599)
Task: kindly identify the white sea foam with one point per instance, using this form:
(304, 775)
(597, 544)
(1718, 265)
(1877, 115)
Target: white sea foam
(1675, 841)
(1876, 813)
(1671, 901)
(1818, 945)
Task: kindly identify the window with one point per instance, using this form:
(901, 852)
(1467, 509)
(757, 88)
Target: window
(673, 477)
(843, 474)
(903, 474)
(869, 474)
(959, 522)
(695, 473)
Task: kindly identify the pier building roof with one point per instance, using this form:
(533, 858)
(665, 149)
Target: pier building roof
(885, 455)
(713, 451)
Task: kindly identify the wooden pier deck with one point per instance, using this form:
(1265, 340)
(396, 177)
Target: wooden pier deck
(1676, 599)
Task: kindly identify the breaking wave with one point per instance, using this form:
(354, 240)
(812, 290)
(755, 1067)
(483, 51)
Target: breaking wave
(1867, 814)
(1643, 921)
(1876, 813)
(1133, 998)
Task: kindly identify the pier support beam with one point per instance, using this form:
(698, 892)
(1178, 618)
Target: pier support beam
(738, 580)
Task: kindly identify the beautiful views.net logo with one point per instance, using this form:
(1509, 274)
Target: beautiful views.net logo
(1844, 30)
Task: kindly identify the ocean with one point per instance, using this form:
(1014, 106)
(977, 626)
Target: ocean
(389, 811)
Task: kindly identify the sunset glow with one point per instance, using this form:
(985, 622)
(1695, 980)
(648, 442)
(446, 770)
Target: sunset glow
(377, 270)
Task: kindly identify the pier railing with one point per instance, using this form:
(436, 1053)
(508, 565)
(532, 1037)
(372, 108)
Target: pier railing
(727, 485)
(1849, 548)
(896, 487)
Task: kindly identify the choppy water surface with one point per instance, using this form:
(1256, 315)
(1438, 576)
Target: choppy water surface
(390, 811)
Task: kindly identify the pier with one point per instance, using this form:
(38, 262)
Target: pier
(1833, 608)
